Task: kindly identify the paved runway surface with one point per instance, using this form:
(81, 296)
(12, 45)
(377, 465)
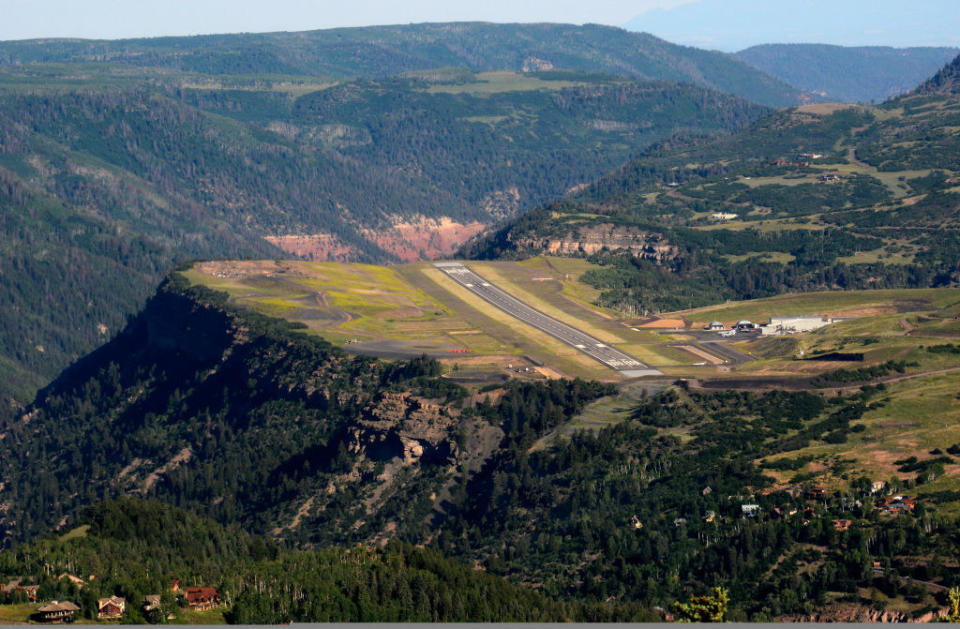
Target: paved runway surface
(594, 348)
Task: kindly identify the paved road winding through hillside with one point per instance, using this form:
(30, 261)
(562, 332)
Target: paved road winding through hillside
(628, 366)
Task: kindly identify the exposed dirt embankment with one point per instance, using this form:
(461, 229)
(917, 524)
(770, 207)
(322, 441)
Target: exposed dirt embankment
(424, 238)
(321, 247)
(649, 245)
(410, 240)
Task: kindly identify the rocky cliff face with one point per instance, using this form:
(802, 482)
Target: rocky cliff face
(589, 240)
(401, 425)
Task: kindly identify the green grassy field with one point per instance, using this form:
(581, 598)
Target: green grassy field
(18, 613)
(920, 415)
(415, 306)
(835, 303)
(501, 81)
(187, 616)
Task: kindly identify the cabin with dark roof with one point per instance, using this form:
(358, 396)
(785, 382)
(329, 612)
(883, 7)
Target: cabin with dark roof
(56, 612)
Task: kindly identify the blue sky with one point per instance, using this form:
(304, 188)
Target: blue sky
(722, 24)
(731, 25)
(21, 19)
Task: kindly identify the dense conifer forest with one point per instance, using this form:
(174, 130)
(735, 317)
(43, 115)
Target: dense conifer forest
(251, 422)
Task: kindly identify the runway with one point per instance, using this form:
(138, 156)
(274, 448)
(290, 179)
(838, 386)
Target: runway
(628, 366)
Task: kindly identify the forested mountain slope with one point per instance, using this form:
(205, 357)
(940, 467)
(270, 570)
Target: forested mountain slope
(848, 74)
(381, 51)
(104, 187)
(946, 82)
(249, 421)
(818, 197)
(135, 548)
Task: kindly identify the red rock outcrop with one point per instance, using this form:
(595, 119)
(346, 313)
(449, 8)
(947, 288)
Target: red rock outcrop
(411, 240)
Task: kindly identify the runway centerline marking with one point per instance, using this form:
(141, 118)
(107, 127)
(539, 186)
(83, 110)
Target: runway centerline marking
(613, 358)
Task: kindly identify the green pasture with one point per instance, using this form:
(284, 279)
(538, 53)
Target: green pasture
(501, 81)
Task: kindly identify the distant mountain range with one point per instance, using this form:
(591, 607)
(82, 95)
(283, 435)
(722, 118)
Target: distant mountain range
(380, 51)
(848, 74)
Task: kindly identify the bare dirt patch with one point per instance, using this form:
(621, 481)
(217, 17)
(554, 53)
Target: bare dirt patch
(824, 109)
(548, 373)
(423, 238)
(696, 351)
(179, 459)
(867, 311)
(663, 324)
(318, 247)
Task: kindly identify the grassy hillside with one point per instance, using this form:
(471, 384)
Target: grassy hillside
(848, 74)
(818, 197)
(381, 51)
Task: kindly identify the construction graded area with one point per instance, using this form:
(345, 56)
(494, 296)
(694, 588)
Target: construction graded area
(414, 309)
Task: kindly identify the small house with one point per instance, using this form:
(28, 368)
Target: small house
(151, 602)
(749, 510)
(679, 521)
(11, 585)
(57, 612)
(202, 598)
(636, 523)
(714, 326)
(897, 505)
(841, 525)
(175, 585)
(710, 517)
(112, 607)
(877, 486)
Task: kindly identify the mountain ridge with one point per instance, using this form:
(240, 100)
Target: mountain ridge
(848, 74)
(791, 203)
(946, 82)
(377, 52)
